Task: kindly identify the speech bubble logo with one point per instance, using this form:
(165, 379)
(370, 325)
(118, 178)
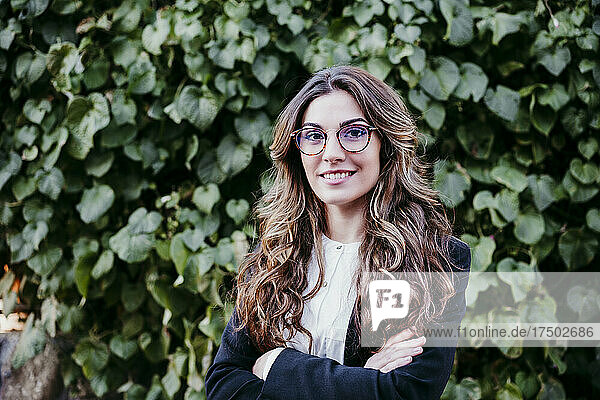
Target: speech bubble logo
(389, 299)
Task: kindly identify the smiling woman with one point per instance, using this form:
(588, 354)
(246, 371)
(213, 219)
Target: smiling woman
(350, 198)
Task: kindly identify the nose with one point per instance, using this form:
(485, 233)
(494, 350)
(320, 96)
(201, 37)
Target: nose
(333, 151)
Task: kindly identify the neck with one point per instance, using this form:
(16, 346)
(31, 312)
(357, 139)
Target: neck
(345, 223)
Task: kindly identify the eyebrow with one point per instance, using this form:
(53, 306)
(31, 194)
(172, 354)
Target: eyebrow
(343, 123)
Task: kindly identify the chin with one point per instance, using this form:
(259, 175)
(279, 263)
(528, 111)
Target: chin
(338, 201)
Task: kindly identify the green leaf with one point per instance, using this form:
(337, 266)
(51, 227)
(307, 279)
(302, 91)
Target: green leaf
(579, 193)
(237, 210)
(95, 202)
(253, 126)
(142, 221)
(205, 197)
(171, 382)
(450, 184)
(435, 114)
(476, 139)
(197, 266)
(504, 102)
(459, 19)
(407, 34)
(441, 78)
(35, 110)
(153, 36)
(123, 348)
(45, 261)
(131, 248)
(198, 105)
(265, 69)
(83, 268)
(542, 118)
(85, 117)
(577, 248)
(9, 166)
(133, 296)
(364, 11)
(36, 210)
(233, 157)
(510, 391)
(504, 24)
(179, 253)
(123, 109)
(98, 164)
(96, 73)
(141, 75)
(380, 67)
(507, 203)
(482, 250)
(542, 189)
(124, 50)
(7, 35)
(23, 187)
(193, 238)
(555, 60)
(555, 96)
(127, 16)
(117, 136)
(529, 228)
(31, 343)
(509, 177)
(91, 355)
(552, 389)
(473, 82)
(62, 58)
(585, 173)
(588, 147)
(104, 264)
(592, 219)
(30, 67)
(51, 182)
(468, 389)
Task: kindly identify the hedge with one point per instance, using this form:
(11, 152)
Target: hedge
(135, 141)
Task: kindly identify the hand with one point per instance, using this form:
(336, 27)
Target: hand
(260, 363)
(396, 352)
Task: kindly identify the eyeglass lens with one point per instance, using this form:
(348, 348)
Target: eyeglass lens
(353, 138)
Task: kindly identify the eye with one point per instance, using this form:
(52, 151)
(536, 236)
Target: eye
(312, 134)
(354, 132)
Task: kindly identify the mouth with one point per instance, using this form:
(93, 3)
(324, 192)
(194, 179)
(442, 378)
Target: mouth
(337, 177)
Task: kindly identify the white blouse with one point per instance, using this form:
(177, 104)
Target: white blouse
(326, 316)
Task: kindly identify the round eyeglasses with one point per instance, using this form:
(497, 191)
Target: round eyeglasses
(311, 140)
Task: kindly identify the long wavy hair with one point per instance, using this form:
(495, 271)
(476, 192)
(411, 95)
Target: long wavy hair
(406, 227)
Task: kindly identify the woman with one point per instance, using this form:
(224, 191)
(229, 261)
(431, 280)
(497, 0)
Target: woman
(351, 197)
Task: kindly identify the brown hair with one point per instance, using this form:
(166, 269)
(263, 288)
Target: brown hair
(406, 227)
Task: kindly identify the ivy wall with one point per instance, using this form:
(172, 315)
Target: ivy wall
(134, 141)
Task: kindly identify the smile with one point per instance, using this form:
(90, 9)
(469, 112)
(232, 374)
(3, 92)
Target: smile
(337, 177)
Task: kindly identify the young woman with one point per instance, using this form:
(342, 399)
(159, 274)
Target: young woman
(350, 197)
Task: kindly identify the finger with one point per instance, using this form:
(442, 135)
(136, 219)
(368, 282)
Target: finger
(400, 337)
(396, 364)
(395, 353)
(420, 341)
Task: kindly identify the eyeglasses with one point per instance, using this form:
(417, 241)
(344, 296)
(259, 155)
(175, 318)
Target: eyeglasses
(353, 138)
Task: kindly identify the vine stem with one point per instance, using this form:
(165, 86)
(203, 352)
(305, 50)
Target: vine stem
(554, 20)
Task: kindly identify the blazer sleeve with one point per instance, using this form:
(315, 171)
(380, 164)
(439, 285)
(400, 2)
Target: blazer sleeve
(230, 376)
(298, 376)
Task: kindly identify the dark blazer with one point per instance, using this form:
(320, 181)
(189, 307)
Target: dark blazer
(298, 376)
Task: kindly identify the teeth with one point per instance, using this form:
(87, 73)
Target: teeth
(337, 175)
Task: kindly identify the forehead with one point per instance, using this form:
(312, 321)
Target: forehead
(331, 109)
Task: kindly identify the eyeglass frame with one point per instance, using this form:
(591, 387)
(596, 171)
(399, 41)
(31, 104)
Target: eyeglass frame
(337, 135)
